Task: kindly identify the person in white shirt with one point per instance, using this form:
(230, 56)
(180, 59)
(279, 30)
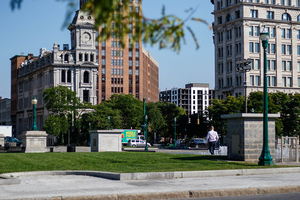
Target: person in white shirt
(212, 138)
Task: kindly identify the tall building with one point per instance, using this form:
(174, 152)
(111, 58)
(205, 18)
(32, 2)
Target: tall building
(5, 118)
(129, 70)
(75, 68)
(237, 25)
(194, 98)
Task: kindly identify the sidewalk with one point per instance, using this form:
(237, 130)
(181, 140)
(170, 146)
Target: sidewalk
(47, 185)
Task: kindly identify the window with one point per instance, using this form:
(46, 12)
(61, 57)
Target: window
(92, 57)
(282, 2)
(63, 76)
(136, 63)
(80, 57)
(283, 33)
(86, 57)
(256, 47)
(137, 72)
(297, 3)
(103, 61)
(283, 66)
(237, 14)
(283, 81)
(253, 13)
(130, 53)
(270, 15)
(274, 82)
(121, 62)
(289, 82)
(137, 45)
(288, 33)
(256, 31)
(220, 20)
(256, 64)
(250, 30)
(228, 18)
(103, 70)
(288, 49)
(272, 32)
(257, 80)
(251, 47)
(130, 71)
(69, 76)
(288, 2)
(298, 33)
(112, 71)
(298, 64)
(288, 66)
(273, 48)
(298, 82)
(103, 52)
(130, 62)
(86, 77)
(273, 64)
(286, 17)
(283, 49)
(66, 57)
(251, 80)
(86, 95)
(268, 64)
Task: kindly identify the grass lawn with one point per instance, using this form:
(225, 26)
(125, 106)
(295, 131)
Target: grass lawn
(116, 162)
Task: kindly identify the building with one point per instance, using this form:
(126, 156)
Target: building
(75, 68)
(237, 25)
(129, 70)
(194, 98)
(5, 118)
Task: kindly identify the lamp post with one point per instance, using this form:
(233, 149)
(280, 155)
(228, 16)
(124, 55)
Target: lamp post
(108, 122)
(244, 66)
(34, 102)
(265, 157)
(174, 132)
(145, 133)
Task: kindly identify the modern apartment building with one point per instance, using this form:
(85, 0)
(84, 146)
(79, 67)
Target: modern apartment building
(129, 70)
(194, 98)
(5, 118)
(76, 68)
(237, 25)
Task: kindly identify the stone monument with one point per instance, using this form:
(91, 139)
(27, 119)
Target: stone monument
(35, 141)
(245, 135)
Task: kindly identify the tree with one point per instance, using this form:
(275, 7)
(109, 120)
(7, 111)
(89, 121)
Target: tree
(168, 30)
(65, 111)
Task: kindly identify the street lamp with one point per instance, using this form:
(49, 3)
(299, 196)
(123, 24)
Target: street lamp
(145, 133)
(108, 122)
(34, 102)
(243, 66)
(174, 132)
(265, 157)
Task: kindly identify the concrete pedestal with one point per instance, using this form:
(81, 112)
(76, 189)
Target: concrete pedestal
(2, 140)
(245, 135)
(35, 141)
(106, 140)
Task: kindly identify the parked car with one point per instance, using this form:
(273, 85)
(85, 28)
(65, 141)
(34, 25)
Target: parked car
(138, 143)
(197, 141)
(13, 139)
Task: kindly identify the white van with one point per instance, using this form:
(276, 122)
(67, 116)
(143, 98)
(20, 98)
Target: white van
(138, 143)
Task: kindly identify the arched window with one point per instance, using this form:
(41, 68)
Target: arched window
(228, 18)
(286, 17)
(66, 58)
(298, 18)
(86, 77)
(63, 76)
(69, 76)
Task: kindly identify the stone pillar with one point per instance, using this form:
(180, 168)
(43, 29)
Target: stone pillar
(2, 140)
(106, 140)
(35, 141)
(245, 136)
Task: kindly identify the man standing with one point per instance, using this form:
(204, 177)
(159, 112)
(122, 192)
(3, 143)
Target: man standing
(212, 138)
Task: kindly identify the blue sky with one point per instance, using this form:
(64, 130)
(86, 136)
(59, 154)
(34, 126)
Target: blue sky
(39, 24)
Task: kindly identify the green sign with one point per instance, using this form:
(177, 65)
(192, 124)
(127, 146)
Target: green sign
(128, 135)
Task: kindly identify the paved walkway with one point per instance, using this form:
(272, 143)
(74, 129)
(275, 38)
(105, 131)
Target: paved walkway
(45, 186)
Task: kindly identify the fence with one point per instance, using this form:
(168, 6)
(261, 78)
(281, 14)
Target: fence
(288, 147)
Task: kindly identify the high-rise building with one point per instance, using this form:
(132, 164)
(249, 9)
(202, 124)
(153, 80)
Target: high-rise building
(194, 98)
(5, 118)
(128, 70)
(237, 25)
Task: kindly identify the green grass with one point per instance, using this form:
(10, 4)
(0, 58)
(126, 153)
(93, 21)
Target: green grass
(116, 162)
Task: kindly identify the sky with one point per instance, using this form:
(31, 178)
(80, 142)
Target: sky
(39, 24)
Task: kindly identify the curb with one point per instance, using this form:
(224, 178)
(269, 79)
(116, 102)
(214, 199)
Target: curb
(184, 194)
(154, 175)
(7, 180)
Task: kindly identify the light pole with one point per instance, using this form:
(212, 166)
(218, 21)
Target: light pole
(265, 157)
(34, 102)
(174, 132)
(244, 66)
(108, 122)
(145, 133)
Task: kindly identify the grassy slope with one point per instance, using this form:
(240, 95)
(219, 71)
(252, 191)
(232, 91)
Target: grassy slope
(115, 162)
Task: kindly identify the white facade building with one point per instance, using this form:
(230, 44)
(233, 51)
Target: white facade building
(76, 69)
(237, 25)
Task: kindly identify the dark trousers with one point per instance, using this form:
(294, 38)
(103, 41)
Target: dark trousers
(211, 147)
